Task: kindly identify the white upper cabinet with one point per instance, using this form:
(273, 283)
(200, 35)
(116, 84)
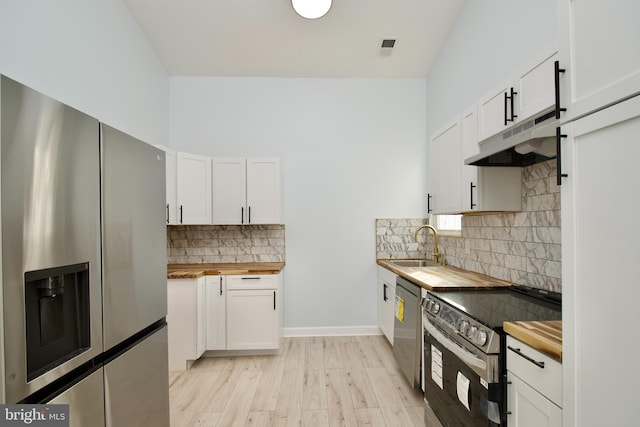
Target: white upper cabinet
(193, 189)
(493, 110)
(534, 85)
(469, 147)
(171, 183)
(264, 191)
(229, 190)
(599, 53)
(171, 208)
(525, 93)
(247, 191)
(445, 163)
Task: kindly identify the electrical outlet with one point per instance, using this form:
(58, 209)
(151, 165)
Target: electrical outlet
(467, 247)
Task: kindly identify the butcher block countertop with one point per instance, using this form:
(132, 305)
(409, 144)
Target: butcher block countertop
(445, 278)
(194, 271)
(543, 336)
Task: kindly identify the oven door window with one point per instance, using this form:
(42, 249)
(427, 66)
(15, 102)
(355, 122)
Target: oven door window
(454, 391)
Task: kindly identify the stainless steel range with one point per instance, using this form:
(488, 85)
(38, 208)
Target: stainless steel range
(464, 349)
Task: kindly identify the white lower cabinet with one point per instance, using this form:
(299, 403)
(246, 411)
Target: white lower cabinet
(215, 313)
(232, 312)
(386, 296)
(186, 321)
(534, 387)
(252, 319)
(253, 312)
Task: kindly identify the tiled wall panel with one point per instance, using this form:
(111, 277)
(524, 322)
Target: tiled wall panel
(191, 244)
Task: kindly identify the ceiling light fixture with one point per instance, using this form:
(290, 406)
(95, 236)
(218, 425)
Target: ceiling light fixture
(311, 9)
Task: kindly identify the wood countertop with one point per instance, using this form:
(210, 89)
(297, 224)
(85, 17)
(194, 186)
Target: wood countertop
(194, 271)
(543, 336)
(445, 278)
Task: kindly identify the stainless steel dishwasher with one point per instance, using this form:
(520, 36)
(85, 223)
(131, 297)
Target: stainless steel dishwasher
(407, 330)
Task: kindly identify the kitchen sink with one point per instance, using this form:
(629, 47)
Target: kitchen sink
(413, 263)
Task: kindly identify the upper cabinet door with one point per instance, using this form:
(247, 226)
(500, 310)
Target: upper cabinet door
(172, 204)
(229, 191)
(599, 53)
(495, 112)
(534, 85)
(194, 189)
(469, 147)
(264, 191)
(445, 162)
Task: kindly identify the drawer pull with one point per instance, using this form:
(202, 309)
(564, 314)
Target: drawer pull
(519, 353)
(251, 278)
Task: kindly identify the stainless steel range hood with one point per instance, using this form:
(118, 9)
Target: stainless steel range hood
(524, 144)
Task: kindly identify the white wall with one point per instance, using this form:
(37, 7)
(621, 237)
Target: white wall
(351, 149)
(490, 39)
(90, 55)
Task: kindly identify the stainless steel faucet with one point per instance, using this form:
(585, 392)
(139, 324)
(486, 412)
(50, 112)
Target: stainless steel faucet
(436, 254)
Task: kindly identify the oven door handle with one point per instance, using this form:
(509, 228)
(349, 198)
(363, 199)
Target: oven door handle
(465, 355)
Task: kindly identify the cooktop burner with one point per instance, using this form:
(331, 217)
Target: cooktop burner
(493, 307)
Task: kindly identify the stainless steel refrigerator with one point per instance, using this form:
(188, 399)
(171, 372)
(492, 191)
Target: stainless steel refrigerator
(83, 264)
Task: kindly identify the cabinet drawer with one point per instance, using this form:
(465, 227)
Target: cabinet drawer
(253, 281)
(546, 378)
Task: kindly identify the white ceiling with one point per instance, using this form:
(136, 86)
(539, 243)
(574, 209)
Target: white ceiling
(266, 38)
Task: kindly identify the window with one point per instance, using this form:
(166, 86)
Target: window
(448, 224)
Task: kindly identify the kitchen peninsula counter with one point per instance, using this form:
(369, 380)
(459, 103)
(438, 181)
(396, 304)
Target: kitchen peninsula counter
(443, 278)
(194, 271)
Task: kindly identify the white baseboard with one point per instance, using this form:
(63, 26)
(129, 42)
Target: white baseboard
(334, 331)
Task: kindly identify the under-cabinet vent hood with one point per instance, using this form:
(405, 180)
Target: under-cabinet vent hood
(532, 141)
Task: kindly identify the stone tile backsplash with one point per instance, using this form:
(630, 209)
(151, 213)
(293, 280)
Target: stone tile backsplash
(521, 247)
(192, 244)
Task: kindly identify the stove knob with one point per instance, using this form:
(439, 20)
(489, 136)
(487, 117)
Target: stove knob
(436, 308)
(471, 332)
(462, 326)
(481, 338)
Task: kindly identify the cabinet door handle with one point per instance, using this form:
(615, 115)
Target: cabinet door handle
(473, 205)
(242, 215)
(249, 222)
(180, 214)
(384, 292)
(274, 300)
(511, 99)
(220, 285)
(428, 202)
(559, 175)
(167, 213)
(558, 70)
(519, 353)
(506, 97)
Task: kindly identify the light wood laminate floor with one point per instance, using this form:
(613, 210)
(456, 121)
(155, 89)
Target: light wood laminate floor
(319, 381)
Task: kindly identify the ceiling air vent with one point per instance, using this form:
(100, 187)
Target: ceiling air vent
(386, 47)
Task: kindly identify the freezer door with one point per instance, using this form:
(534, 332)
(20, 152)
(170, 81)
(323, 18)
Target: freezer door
(134, 235)
(50, 218)
(137, 384)
(85, 400)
